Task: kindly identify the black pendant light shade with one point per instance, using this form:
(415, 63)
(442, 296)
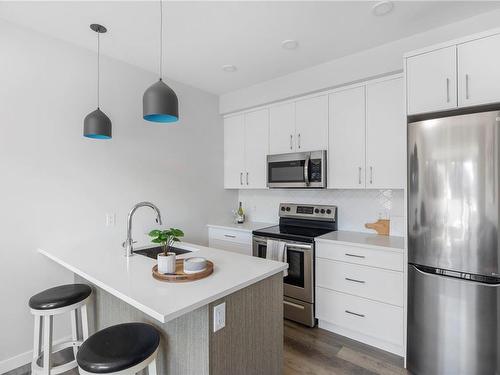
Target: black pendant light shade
(160, 103)
(96, 124)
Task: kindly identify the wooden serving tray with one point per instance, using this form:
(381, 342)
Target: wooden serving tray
(179, 276)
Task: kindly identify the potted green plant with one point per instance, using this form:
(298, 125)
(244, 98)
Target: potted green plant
(166, 238)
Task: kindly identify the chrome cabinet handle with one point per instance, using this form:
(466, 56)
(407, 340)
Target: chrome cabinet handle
(353, 313)
(241, 178)
(247, 178)
(299, 140)
(355, 281)
(230, 236)
(467, 86)
(354, 255)
(371, 175)
(447, 90)
(359, 175)
(291, 141)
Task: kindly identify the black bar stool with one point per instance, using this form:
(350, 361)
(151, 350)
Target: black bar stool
(122, 349)
(54, 301)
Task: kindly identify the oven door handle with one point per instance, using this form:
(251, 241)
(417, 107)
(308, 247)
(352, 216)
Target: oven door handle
(306, 169)
(298, 247)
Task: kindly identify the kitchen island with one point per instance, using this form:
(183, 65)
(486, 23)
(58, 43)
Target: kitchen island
(124, 290)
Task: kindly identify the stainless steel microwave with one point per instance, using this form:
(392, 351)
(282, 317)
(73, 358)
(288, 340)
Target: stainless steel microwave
(297, 170)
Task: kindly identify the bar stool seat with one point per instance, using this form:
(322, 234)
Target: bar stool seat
(60, 296)
(121, 349)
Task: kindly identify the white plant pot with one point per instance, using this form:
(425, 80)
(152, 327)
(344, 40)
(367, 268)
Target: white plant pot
(166, 263)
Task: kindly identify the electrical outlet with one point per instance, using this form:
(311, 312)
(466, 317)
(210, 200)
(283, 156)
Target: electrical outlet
(110, 220)
(219, 316)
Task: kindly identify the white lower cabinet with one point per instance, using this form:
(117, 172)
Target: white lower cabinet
(372, 322)
(360, 294)
(237, 241)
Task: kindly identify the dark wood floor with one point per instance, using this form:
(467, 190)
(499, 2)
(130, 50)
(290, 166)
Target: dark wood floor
(314, 351)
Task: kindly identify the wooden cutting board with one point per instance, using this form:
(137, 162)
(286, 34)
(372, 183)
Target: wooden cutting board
(382, 226)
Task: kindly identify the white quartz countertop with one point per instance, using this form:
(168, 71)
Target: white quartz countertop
(130, 279)
(364, 239)
(247, 226)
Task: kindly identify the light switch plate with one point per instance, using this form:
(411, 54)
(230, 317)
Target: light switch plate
(219, 316)
(110, 219)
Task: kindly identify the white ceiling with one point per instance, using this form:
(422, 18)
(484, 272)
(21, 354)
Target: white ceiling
(200, 37)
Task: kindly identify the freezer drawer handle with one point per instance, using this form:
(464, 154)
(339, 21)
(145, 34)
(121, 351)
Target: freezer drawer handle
(355, 281)
(294, 305)
(354, 255)
(353, 313)
(230, 235)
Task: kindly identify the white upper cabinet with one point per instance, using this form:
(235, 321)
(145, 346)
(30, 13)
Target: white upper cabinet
(234, 151)
(479, 71)
(431, 81)
(282, 128)
(346, 157)
(256, 148)
(385, 135)
(311, 124)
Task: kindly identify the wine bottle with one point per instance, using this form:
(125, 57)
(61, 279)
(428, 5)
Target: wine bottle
(241, 214)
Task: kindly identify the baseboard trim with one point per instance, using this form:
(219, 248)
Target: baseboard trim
(369, 340)
(22, 359)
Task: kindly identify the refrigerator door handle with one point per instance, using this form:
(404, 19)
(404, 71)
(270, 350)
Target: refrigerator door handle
(423, 272)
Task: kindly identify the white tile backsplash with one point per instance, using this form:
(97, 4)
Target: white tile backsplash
(355, 207)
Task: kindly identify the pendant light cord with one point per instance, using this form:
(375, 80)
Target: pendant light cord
(98, 67)
(161, 39)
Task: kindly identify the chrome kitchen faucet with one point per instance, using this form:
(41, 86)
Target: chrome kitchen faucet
(129, 243)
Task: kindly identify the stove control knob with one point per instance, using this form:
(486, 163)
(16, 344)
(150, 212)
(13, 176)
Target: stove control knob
(316, 210)
(328, 211)
(322, 211)
(288, 209)
(282, 208)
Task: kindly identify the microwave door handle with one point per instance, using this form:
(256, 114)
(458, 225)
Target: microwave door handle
(306, 169)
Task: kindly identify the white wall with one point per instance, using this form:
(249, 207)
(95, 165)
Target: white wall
(56, 185)
(382, 60)
(355, 207)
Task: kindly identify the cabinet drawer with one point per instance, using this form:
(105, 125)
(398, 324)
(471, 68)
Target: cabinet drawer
(234, 247)
(391, 260)
(230, 235)
(375, 319)
(373, 283)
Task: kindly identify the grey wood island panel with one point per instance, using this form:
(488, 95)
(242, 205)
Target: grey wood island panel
(250, 343)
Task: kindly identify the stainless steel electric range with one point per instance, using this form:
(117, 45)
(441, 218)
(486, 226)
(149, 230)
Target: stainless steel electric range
(298, 225)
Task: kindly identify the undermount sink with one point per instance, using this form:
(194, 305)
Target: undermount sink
(152, 252)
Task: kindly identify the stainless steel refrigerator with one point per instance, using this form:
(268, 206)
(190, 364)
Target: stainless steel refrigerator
(453, 244)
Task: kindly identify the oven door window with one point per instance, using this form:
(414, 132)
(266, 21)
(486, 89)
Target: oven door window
(295, 261)
(286, 171)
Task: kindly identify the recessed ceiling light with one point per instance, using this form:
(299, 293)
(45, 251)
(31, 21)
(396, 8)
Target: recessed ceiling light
(382, 8)
(289, 44)
(229, 68)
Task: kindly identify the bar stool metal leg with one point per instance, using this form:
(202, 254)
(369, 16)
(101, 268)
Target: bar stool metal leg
(85, 322)
(37, 337)
(152, 368)
(47, 344)
(74, 330)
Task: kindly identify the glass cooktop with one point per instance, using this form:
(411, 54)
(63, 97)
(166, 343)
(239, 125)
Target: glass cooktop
(292, 232)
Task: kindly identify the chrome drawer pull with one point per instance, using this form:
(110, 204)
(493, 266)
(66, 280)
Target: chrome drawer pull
(294, 305)
(230, 236)
(354, 255)
(355, 281)
(353, 313)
